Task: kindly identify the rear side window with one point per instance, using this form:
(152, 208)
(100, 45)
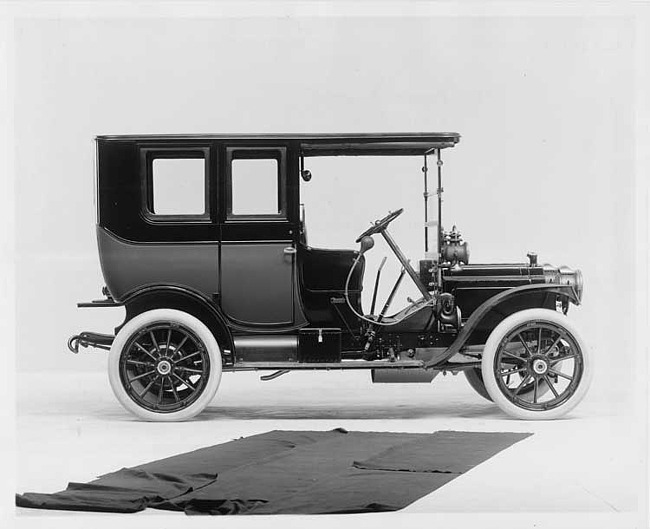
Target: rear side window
(176, 184)
(256, 183)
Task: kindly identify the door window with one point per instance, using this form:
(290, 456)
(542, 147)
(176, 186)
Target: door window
(256, 184)
(255, 187)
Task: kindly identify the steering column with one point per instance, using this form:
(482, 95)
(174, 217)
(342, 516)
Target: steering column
(381, 227)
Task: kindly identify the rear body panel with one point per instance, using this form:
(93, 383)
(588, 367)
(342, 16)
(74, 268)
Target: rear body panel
(129, 266)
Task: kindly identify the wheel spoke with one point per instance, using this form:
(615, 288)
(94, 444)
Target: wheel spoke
(560, 374)
(524, 344)
(139, 363)
(180, 345)
(550, 385)
(186, 382)
(147, 387)
(561, 358)
(188, 356)
(169, 338)
(508, 353)
(548, 349)
(522, 384)
(142, 375)
(144, 351)
(189, 370)
(171, 383)
(160, 390)
(155, 343)
(539, 339)
(535, 391)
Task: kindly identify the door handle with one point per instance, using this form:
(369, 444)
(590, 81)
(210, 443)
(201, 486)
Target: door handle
(290, 250)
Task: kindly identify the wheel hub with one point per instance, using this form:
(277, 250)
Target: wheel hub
(539, 365)
(164, 367)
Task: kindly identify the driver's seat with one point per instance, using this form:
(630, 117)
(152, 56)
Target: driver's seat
(322, 274)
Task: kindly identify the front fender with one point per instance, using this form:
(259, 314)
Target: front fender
(565, 291)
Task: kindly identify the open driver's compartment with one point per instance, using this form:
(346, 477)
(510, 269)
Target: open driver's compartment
(322, 275)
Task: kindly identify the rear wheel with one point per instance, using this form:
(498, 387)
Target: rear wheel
(164, 365)
(475, 379)
(535, 365)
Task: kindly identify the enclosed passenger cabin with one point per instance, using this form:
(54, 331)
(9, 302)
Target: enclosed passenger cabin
(219, 215)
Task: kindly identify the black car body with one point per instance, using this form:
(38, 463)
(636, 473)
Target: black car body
(272, 302)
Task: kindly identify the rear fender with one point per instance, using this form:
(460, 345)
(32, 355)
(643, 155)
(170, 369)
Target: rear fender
(179, 298)
(492, 305)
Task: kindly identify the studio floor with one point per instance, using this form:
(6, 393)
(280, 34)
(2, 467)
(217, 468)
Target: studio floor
(584, 470)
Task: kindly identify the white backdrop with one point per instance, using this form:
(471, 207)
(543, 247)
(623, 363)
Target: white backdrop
(544, 105)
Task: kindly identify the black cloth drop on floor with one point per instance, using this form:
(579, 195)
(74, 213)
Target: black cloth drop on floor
(288, 472)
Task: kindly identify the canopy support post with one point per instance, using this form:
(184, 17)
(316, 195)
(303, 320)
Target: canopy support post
(425, 170)
(439, 192)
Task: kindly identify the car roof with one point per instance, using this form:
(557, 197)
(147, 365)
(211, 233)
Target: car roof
(329, 144)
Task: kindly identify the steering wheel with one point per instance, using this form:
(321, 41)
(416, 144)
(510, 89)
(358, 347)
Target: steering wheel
(381, 225)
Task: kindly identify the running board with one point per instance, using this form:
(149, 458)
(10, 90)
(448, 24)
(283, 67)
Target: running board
(346, 364)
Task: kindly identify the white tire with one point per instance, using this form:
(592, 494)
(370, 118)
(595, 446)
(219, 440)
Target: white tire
(475, 378)
(164, 365)
(562, 367)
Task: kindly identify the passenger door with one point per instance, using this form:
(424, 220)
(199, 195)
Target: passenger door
(257, 261)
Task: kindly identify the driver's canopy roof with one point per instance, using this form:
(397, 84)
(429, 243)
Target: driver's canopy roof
(414, 143)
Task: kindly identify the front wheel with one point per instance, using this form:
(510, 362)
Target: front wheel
(475, 378)
(535, 365)
(164, 365)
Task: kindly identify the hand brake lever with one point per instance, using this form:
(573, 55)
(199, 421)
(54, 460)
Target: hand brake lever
(374, 294)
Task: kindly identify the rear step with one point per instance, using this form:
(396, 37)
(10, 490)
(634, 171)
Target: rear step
(90, 339)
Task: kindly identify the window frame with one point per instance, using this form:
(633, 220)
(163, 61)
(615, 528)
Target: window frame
(147, 157)
(279, 154)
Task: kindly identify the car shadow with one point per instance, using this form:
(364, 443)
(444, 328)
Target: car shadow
(364, 411)
(310, 411)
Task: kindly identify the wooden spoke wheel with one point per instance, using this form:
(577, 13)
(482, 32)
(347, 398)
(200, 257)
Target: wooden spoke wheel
(535, 365)
(165, 365)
